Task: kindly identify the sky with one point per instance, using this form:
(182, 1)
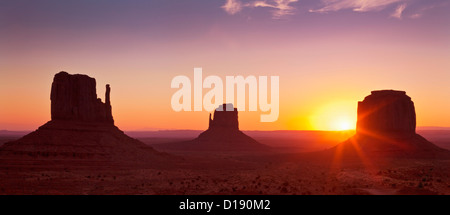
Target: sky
(328, 54)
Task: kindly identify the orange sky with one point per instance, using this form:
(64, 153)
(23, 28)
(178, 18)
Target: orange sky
(326, 62)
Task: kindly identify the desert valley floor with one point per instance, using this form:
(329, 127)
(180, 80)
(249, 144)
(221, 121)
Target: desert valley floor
(283, 171)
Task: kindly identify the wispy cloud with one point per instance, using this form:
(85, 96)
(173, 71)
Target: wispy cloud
(399, 11)
(280, 7)
(422, 10)
(232, 6)
(355, 5)
(393, 8)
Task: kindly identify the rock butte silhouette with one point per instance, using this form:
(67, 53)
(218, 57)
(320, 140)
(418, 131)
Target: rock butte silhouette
(386, 127)
(81, 130)
(74, 98)
(223, 134)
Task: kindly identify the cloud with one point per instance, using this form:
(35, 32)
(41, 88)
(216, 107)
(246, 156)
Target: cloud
(280, 7)
(398, 12)
(393, 8)
(415, 16)
(422, 10)
(232, 6)
(355, 5)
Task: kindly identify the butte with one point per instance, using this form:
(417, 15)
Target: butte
(386, 127)
(222, 135)
(81, 132)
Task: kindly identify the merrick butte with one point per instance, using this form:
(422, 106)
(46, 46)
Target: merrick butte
(181, 99)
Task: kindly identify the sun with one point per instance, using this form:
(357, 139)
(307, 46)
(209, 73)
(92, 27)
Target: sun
(342, 125)
(334, 116)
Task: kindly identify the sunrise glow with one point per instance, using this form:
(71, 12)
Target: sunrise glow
(322, 53)
(334, 116)
(343, 124)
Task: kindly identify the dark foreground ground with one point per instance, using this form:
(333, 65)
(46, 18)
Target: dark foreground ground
(235, 174)
(282, 171)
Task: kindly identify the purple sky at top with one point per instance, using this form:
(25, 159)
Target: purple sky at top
(166, 18)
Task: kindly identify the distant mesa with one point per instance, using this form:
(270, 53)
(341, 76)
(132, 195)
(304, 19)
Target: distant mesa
(223, 134)
(386, 127)
(81, 130)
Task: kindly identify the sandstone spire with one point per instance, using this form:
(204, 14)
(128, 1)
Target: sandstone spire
(108, 108)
